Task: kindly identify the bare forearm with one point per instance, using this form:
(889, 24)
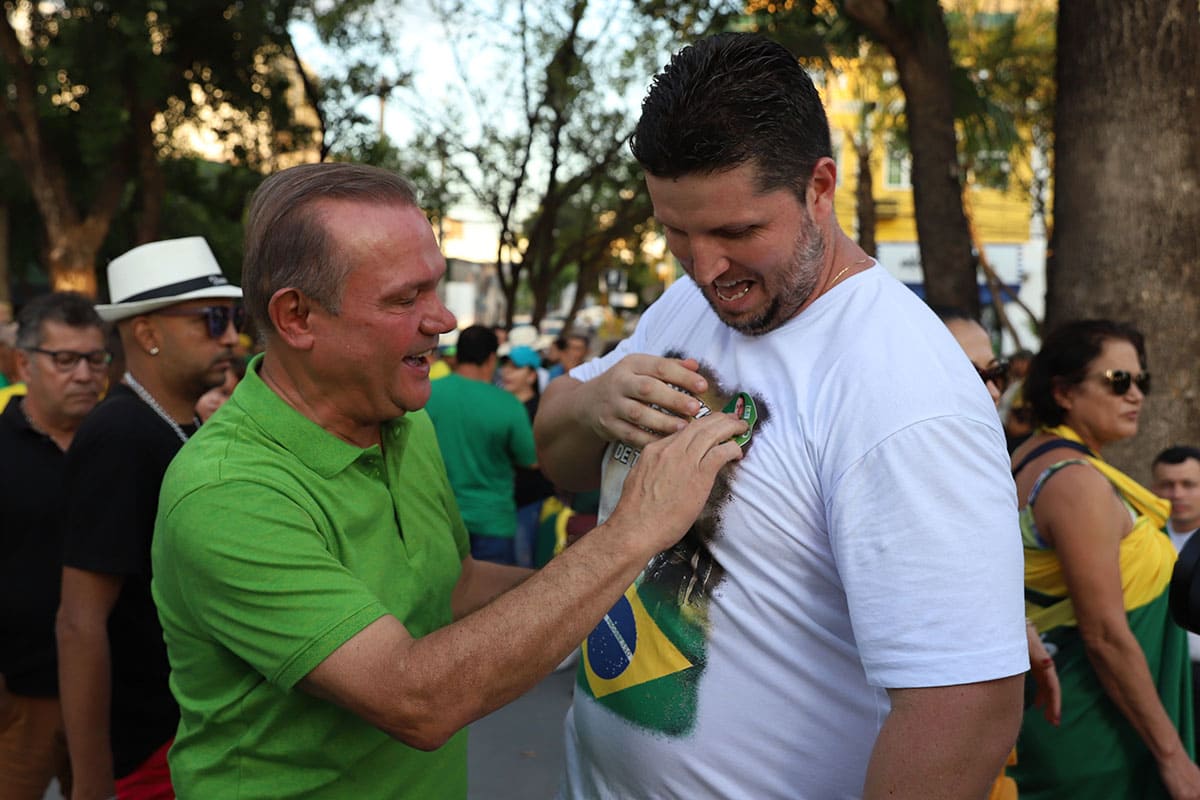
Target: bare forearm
(945, 742)
(491, 657)
(484, 583)
(1122, 670)
(85, 690)
(569, 451)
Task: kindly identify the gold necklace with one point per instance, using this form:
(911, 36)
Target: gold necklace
(846, 269)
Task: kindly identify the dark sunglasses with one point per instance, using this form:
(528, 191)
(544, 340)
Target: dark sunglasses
(68, 360)
(1119, 381)
(217, 317)
(997, 374)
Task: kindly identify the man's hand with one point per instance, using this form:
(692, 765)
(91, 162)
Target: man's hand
(621, 402)
(667, 487)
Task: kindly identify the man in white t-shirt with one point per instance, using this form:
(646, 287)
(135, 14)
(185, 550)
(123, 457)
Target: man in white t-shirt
(845, 617)
(1176, 473)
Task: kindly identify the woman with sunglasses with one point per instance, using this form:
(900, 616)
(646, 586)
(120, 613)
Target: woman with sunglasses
(1047, 694)
(1097, 569)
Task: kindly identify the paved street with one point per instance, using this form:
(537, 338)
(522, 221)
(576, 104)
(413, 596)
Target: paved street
(517, 752)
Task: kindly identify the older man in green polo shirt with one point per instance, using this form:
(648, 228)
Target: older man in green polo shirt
(329, 633)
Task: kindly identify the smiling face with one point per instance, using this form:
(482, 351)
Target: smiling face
(374, 354)
(755, 255)
(1092, 410)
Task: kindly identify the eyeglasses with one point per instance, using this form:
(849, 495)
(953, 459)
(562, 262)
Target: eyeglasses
(217, 317)
(67, 360)
(1119, 381)
(997, 373)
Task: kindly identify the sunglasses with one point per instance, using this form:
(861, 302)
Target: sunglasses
(997, 374)
(1119, 381)
(217, 317)
(67, 360)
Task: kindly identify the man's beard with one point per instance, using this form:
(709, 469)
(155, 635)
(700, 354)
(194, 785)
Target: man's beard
(799, 279)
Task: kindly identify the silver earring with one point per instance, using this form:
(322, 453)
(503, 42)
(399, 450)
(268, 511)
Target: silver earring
(153, 351)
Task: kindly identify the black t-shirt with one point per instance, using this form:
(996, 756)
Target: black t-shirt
(530, 485)
(114, 469)
(31, 494)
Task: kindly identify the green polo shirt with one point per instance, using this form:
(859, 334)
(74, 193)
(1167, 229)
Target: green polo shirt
(484, 432)
(276, 542)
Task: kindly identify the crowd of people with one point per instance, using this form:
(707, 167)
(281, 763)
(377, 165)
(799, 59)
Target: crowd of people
(839, 548)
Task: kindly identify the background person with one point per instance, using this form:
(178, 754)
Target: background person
(519, 377)
(1097, 572)
(178, 325)
(215, 397)
(977, 345)
(329, 633)
(1176, 477)
(485, 435)
(60, 357)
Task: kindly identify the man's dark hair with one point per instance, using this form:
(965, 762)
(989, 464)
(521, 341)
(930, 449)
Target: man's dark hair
(729, 100)
(1177, 455)
(1064, 359)
(68, 308)
(476, 344)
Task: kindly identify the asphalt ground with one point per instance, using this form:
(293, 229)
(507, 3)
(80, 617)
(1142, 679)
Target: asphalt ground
(515, 753)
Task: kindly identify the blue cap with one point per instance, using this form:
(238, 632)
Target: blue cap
(524, 356)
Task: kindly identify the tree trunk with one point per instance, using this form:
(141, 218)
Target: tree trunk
(153, 188)
(920, 45)
(72, 243)
(1127, 195)
(6, 305)
(865, 197)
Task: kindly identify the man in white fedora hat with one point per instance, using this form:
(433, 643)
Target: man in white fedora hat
(178, 319)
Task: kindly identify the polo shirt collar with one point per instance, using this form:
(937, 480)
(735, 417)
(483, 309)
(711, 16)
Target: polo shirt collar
(324, 453)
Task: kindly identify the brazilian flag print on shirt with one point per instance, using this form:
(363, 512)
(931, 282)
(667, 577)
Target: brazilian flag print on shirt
(644, 660)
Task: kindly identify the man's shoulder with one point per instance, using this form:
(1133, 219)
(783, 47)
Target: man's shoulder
(124, 426)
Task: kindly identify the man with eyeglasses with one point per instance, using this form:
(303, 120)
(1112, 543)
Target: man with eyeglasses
(60, 356)
(178, 319)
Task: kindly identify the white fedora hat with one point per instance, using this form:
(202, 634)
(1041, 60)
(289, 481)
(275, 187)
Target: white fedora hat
(161, 274)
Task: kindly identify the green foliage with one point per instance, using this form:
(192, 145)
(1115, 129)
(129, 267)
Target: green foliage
(540, 147)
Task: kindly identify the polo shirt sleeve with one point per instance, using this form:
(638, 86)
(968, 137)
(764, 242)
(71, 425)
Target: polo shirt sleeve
(247, 568)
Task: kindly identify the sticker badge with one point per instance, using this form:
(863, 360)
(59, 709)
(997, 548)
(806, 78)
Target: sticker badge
(744, 408)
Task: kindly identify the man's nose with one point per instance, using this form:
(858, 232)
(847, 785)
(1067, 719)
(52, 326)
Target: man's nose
(708, 261)
(440, 320)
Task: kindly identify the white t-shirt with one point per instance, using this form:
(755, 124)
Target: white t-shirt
(868, 540)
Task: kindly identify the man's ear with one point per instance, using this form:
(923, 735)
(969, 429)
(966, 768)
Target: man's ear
(22, 363)
(291, 313)
(821, 188)
(145, 334)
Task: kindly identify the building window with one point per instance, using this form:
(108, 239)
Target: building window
(899, 168)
